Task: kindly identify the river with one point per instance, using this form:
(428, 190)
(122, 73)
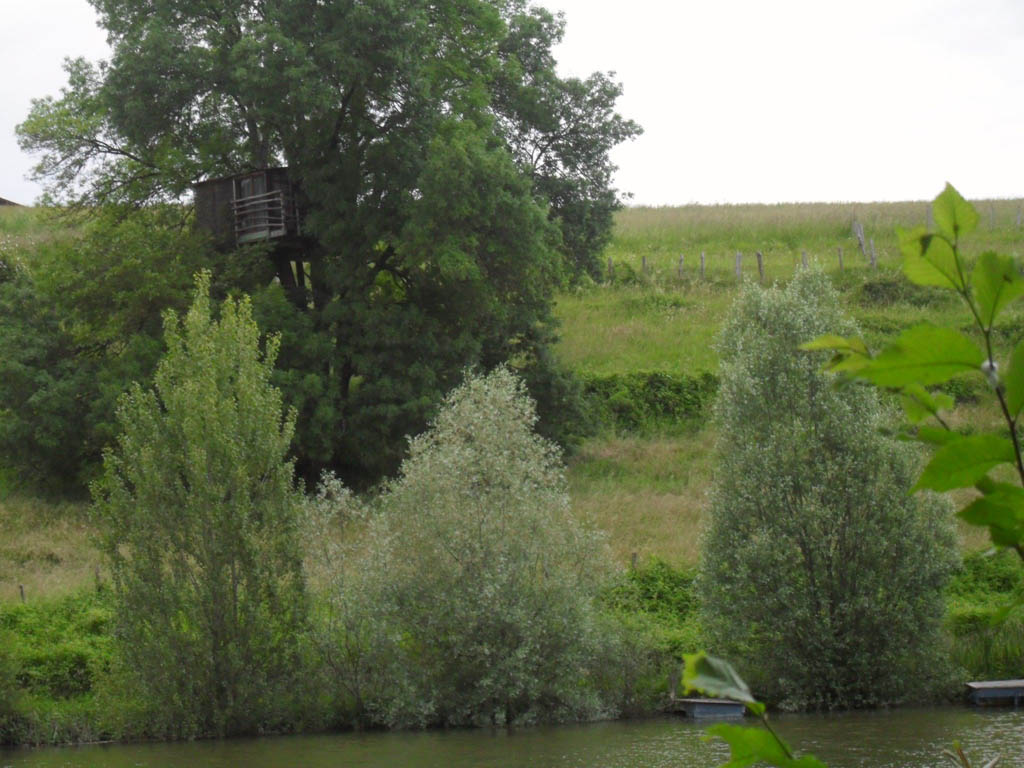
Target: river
(904, 738)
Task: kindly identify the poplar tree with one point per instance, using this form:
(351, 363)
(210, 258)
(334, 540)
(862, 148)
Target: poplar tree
(199, 520)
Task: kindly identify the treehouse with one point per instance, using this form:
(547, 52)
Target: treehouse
(248, 208)
(258, 207)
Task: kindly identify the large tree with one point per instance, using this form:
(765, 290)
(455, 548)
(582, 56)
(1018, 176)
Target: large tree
(449, 175)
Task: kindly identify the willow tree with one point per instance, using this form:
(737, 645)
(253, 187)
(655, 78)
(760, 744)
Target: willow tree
(821, 575)
(449, 174)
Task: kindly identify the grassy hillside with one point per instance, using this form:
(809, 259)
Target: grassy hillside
(648, 491)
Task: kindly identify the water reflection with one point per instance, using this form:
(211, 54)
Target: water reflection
(905, 738)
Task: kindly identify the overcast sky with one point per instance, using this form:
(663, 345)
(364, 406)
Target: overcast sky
(741, 100)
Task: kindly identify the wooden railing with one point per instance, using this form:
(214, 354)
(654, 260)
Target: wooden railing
(264, 216)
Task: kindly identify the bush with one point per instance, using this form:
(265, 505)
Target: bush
(477, 585)
(199, 521)
(634, 402)
(818, 570)
(80, 320)
(984, 645)
(10, 693)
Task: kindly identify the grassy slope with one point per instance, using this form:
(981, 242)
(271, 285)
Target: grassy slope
(649, 492)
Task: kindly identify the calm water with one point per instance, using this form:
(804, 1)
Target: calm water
(904, 739)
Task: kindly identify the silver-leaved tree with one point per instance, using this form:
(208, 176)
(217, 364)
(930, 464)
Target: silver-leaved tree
(818, 569)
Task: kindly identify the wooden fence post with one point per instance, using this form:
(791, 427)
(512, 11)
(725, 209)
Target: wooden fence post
(803, 257)
(858, 232)
(760, 266)
(840, 258)
(874, 255)
(702, 265)
(21, 589)
(680, 265)
(739, 265)
(643, 263)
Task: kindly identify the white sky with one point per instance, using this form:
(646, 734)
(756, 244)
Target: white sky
(741, 100)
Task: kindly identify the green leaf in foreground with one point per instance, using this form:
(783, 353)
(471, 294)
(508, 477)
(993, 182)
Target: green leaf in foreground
(751, 746)
(963, 462)
(996, 283)
(1001, 510)
(716, 677)
(925, 355)
(954, 216)
(918, 403)
(837, 343)
(930, 260)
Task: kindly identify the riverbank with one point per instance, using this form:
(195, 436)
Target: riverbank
(59, 655)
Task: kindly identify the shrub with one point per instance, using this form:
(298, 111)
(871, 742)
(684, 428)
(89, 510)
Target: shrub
(10, 693)
(199, 522)
(644, 400)
(818, 569)
(477, 579)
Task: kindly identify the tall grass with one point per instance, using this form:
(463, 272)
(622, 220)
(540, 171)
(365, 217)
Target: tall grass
(781, 232)
(45, 549)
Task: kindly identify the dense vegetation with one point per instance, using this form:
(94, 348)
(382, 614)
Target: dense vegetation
(640, 474)
(811, 521)
(450, 181)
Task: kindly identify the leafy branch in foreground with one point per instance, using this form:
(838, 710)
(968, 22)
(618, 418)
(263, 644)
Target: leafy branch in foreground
(925, 356)
(748, 746)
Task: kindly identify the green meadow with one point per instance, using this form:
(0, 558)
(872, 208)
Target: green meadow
(649, 490)
(646, 489)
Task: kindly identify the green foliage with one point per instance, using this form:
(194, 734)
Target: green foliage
(10, 695)
(747, 746)
(887, 287)
(926, 355)
(476, 590)
(199, 519)
(451, 180)
(633, 402)
(660, 603)
(986, 641)
(811, 525)
(78, 323)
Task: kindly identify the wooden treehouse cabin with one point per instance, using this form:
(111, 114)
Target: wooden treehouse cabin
(248, 208)
(257, 207)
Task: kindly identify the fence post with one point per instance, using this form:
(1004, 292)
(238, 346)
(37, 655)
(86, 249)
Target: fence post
(858, 232)
(803, 257)
(21, 589)
(874, 255)
(760, 266)
(643, 263)
(702, 265)
(840, 258)
(680, 265)
(739, 265)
